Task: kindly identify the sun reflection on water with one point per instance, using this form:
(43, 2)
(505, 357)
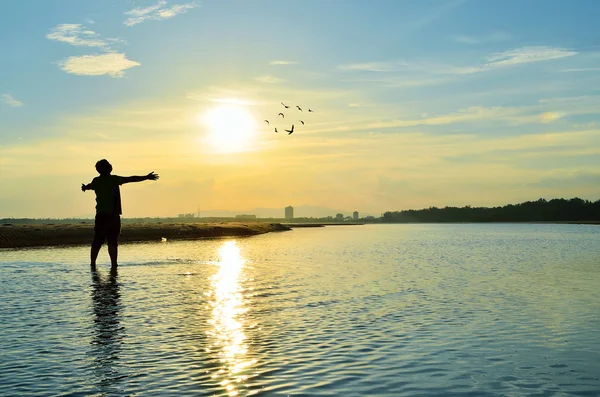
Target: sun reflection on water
(226, 324)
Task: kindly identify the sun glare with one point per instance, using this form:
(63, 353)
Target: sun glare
(226, 332)
(230, 127)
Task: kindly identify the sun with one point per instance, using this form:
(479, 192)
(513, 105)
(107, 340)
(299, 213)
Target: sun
(231, 128)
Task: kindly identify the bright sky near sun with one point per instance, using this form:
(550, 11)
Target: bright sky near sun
(416, 103)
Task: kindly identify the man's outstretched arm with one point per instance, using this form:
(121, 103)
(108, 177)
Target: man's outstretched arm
(150, 177)
(85, 187)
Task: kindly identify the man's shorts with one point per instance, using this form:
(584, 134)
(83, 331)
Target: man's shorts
(106, 228)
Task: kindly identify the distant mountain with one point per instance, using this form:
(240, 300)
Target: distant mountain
(300, 211)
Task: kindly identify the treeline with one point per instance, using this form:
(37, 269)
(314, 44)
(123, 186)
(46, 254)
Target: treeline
(555, 210)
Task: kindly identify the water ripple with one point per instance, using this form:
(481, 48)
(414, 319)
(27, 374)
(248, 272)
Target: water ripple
(405, 310)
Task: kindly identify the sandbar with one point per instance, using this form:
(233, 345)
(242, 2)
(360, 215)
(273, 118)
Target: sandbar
(51, 235)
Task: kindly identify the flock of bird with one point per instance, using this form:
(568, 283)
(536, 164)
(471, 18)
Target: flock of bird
(290, 131)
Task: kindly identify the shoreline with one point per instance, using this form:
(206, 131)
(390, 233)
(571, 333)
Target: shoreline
(32, 235)
(55, 235)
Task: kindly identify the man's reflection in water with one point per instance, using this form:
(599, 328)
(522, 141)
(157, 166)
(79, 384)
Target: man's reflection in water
(107, 331)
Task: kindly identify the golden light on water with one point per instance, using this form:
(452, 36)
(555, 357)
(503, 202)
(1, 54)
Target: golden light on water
(231, 127)
(226, 323)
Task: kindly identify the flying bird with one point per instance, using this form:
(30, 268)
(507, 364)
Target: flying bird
(299, 108)
(284, 105)
(310, 111)
(282, 115)
(275, 129)
(301, 122)
(267, 121)
(290, 131)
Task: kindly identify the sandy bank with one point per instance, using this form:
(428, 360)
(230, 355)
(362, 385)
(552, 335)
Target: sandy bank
(19, 236)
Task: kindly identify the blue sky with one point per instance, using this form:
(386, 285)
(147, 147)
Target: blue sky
(417, 103)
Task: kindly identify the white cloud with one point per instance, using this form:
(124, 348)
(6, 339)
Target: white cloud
(11, 101)
(141, 12)
(112, 64)
(158, 11)
(75, 34)
(268, 79)
(283, 63)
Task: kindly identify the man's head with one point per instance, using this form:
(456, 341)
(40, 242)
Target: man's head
(103, 167)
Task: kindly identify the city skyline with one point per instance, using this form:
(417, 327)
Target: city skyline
(415, 104)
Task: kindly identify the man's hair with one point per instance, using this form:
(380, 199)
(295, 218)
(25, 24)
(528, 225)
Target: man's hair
(103, 167)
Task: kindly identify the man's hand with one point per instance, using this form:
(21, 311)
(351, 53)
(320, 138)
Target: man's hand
(83, 189)
(152, 176)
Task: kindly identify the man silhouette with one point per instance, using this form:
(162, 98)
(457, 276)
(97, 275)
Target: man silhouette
(107, 226)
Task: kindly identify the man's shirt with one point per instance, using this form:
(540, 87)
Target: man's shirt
(108, 194)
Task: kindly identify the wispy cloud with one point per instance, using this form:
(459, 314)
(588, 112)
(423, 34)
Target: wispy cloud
(225, 97)
(570, 179)
(282, 63)
(112, 64)
(474, 113)
(549, 117)
(435, 14)
(268, 79)
(158, 11)
(545, 111)
(493, 37)
(518, 56)
(581, 70)
(373, 66)
(528, 55)
(77, 35)
(420, 69)
(464, 39)
(394, 81)
(107, 137)
(11, 101)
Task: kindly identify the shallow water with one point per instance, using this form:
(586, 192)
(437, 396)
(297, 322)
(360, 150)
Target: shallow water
(375, 310)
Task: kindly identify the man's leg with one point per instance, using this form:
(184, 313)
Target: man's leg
(112, 239)
(99, 237)
(94, 254)
(113, 252)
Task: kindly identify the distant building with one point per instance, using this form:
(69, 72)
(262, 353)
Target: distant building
(339, 217)
(355, 215)
(245, 216)
(370, 218)
(190, 215)
(289, 212)
(180, 215)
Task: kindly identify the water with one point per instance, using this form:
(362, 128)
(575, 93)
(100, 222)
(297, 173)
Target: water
(378, 310)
